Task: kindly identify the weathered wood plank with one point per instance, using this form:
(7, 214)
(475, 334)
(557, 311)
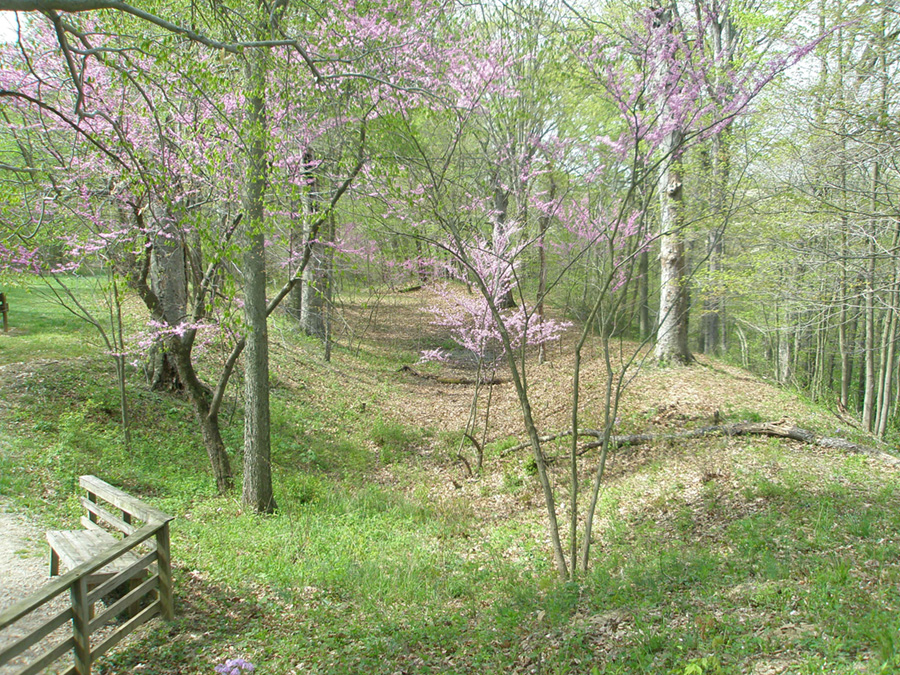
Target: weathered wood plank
(89, 524)
(35, 636)
(124, 603)
(62, 583)
(95, 556)
(75, 547)
(122, 500)
(166, 584)
(110, 585)
(81, 610)
(48, 657)
(109, 518)
(125, 629)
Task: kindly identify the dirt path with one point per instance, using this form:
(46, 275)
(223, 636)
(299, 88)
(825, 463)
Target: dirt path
(23, 570)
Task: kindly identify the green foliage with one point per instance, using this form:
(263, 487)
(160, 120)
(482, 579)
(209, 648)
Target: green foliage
(513, 483)
(705, 665)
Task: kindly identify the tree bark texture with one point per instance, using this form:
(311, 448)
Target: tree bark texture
(672, 333)
(168, 280)
(316, 274)
(257, 483)
(208, 419)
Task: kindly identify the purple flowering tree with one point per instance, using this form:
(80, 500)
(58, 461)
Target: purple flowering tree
(665, 95)
(178, 152)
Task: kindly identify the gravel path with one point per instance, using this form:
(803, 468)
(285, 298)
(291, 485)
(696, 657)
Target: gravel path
(23, 570)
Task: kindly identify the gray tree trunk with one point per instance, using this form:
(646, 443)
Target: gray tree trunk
(845, 337)
(314, 287)
(644, 292)
(501, 210)
(672, 332)
(870, 393)
(168, 280)
(783, 364)
(314, 290)
(294, 303)
(257, 484)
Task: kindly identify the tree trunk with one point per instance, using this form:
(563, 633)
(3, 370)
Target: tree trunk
(646, 327)
(329, 288)
(316, 274)
(315, 283)
(257, 484)
(199, 395)
(868, 416)
(888, 347)
(845, 336)
(168, 280)
(501, 208)
(710, 324)
(887, 374)
(543, 226)
(724, 45)
(783, 372)
(294, 304)
(672, 334)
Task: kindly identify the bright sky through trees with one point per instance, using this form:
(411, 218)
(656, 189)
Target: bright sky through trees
(7, 26)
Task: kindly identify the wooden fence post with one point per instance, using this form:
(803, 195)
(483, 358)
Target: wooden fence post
(4, 309)
(81, 629)
(164, 563)
(91, 515)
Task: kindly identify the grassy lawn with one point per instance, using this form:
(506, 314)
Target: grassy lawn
(712, 556)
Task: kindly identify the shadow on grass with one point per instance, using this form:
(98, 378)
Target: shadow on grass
(208, 628)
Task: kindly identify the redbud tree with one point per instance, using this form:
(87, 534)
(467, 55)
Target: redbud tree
(174, 149)
(590, 189)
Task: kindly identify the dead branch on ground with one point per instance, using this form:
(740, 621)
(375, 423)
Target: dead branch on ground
(773, 429)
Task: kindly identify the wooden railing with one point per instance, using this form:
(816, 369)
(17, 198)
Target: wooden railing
(149, 544)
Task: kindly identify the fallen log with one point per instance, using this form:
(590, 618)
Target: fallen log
(774, 429)
(446, 379)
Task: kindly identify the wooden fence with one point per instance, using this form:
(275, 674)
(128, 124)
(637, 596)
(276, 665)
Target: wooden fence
(141, 601)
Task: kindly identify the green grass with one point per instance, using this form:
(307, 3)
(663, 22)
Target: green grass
(41, 329)
(359, 573)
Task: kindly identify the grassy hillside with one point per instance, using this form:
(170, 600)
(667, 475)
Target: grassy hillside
(719, 555)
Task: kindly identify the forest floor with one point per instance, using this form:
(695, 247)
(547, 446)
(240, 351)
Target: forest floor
(744, 555)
